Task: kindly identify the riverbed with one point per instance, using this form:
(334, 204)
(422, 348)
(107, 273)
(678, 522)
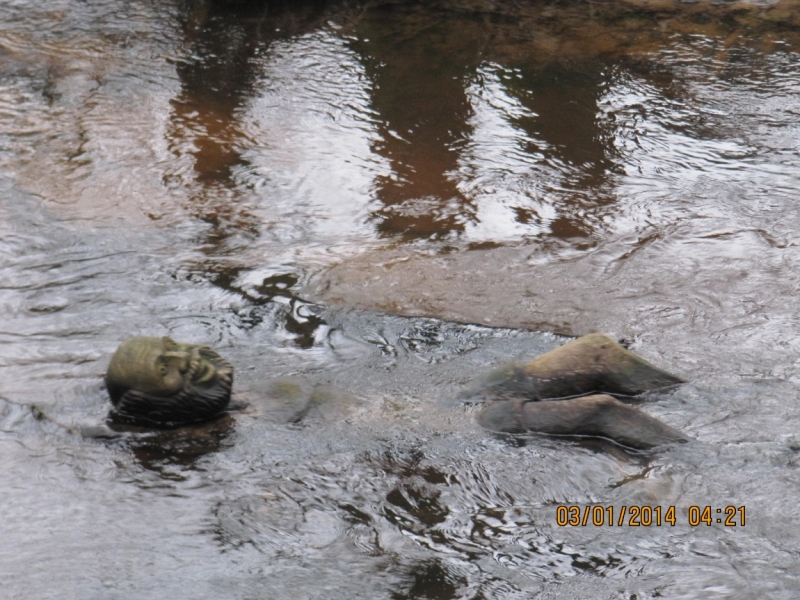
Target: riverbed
(381, 201)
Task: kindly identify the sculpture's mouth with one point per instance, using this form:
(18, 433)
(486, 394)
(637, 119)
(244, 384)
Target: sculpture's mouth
(206, 366)
(202, 371)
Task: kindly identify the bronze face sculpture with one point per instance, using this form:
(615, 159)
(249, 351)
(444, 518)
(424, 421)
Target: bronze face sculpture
(158, 381)
(564, 392)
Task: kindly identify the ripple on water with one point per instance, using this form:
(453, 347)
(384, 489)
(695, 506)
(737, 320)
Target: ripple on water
(195, 170)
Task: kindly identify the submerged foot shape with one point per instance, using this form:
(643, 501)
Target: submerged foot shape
(541, 395)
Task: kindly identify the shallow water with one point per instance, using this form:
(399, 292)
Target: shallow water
(381, 201)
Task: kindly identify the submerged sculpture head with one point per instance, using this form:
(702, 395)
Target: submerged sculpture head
(158, 381)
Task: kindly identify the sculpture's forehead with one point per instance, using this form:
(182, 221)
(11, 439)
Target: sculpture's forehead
(135, 360)
(141, 347)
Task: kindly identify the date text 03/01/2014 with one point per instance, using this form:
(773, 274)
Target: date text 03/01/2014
(646, 516)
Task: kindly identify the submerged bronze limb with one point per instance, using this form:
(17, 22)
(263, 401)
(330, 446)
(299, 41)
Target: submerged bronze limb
(599, 415)
(157, 381)
(540, 395)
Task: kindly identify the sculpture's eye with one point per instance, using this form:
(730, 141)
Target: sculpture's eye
(163, 369)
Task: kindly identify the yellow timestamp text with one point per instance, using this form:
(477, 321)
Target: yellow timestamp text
(646, 516)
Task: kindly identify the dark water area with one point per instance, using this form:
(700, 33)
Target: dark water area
(369, 204)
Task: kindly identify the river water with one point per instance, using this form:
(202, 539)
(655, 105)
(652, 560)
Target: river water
(381, 200)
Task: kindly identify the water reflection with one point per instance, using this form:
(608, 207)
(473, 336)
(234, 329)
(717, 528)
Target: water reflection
(568, 134)
(497, 151)
(466, 139)
(184, 168)
(218, 76)
(418, 64)
(171, 452)
(539, 165)
(273, 300)
(433, 582)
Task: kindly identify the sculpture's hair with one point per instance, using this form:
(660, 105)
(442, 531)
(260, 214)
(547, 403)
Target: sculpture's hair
(191, 404)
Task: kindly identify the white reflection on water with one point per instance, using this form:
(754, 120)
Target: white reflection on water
(500, 169)
(312, 128)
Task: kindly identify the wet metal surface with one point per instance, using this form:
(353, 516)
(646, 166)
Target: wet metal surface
(363, 206)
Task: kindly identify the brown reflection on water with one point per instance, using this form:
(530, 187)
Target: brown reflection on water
(419, 62)
(422, 63)
(557, 61)
(573, 139)
(218, 76)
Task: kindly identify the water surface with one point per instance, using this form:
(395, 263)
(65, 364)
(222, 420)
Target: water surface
(383, 200)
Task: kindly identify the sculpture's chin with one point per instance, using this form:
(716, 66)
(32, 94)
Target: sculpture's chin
(192, 404)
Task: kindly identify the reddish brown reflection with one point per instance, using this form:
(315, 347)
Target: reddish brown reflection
(575, 143)
(418, 61)
(218, 76)
(421, 62)
(564, 55)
